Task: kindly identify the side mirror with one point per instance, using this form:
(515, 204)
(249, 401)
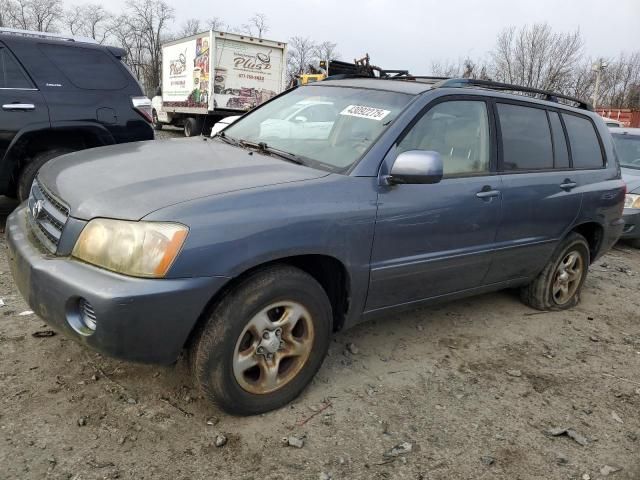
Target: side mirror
(417, 166)
(300, 119)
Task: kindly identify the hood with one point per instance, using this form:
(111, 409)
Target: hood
(132, 180)
(631, 177)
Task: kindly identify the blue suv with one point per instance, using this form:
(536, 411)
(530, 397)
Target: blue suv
(332, 204)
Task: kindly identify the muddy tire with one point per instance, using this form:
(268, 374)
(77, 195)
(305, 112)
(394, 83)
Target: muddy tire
(30, 170)
(263, 342)
(559, 285)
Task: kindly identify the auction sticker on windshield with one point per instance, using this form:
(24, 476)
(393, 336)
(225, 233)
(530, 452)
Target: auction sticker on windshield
(361, 111)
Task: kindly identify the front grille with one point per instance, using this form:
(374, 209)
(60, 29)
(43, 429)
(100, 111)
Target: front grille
(47, 216)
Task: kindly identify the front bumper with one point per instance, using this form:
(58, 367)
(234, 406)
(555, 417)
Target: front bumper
(631, 219)
(143, 320)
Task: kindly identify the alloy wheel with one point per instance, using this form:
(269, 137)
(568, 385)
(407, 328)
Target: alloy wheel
(567, 277)
(273, 347)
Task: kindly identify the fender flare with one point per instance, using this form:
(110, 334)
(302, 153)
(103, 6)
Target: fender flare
(12, 157)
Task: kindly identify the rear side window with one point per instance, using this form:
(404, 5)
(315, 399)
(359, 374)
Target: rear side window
(585, 147)
(559, 142)
(526, 138)
(87, 68)
(11, 74)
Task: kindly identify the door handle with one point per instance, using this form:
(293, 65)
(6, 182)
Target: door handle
(18, 106)
(487, 192)
(568, 184)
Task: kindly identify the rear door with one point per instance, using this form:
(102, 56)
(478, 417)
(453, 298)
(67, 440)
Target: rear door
(21, 104)
(541, 192)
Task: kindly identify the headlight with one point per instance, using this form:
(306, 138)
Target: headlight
(632, 201)
(139, 249)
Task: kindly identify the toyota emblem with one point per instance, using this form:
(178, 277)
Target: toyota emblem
(36, 209)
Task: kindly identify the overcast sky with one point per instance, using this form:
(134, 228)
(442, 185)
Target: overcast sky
(413, 33)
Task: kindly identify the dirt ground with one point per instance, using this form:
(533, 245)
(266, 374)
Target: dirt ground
(468, 390)
(473, 387)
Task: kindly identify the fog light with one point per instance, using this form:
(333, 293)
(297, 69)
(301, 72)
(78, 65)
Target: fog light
(81, 316)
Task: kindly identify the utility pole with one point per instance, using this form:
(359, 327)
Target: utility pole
(598, 67)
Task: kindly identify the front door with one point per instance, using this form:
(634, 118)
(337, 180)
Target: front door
(21, 104)
(433, 240)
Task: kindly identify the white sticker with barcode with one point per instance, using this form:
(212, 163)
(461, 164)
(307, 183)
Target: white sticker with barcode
(361, 111)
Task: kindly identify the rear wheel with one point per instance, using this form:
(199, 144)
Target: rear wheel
(263, 342)
(156, 124)
(559, 285)
(30, 170)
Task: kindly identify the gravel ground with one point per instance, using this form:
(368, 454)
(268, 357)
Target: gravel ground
(475, 389)
(169, 132)
(465, 390)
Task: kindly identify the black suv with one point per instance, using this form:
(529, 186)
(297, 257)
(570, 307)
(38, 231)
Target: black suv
(59, 95)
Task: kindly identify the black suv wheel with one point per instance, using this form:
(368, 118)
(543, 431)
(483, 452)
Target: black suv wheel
(263, 342)
(30, 170)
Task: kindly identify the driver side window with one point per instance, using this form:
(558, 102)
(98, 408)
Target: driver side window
(459, 131)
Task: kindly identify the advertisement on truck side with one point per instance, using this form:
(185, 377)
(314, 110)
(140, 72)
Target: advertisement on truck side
(186, 70)
(245, 74)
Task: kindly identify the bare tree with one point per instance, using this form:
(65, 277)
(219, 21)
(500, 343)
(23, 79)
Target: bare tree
(141, 30)
(535, 56)
(301, 55)
(91, 21)
(216, 24)
(5, 21)
(326, 51)
(190, 27)
(463, 68)
(259, 24)
(621, 81)
(38, 15)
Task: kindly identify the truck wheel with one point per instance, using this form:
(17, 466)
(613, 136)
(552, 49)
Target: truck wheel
(559, 285)
(192, 127)
(156, 124)
(263, 342)
(30, 170)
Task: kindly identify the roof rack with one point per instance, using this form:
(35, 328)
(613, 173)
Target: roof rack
(546, 94)
(53, 36)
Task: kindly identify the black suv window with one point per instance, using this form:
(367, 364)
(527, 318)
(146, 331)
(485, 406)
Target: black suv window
(86, 68)
(585, 147)
(559, 142)
(459, 131)
(526, 138)
(11, 74)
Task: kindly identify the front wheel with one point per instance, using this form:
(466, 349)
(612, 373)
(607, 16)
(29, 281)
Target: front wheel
(192, 127)
(559, 285)
(263, 342)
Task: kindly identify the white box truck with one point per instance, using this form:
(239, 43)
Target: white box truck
(212, 75)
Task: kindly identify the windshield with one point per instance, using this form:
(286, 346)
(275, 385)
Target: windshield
(324, 127)
(628, 148)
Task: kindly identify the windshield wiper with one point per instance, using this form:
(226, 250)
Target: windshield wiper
(227, 139)
(266, 149)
